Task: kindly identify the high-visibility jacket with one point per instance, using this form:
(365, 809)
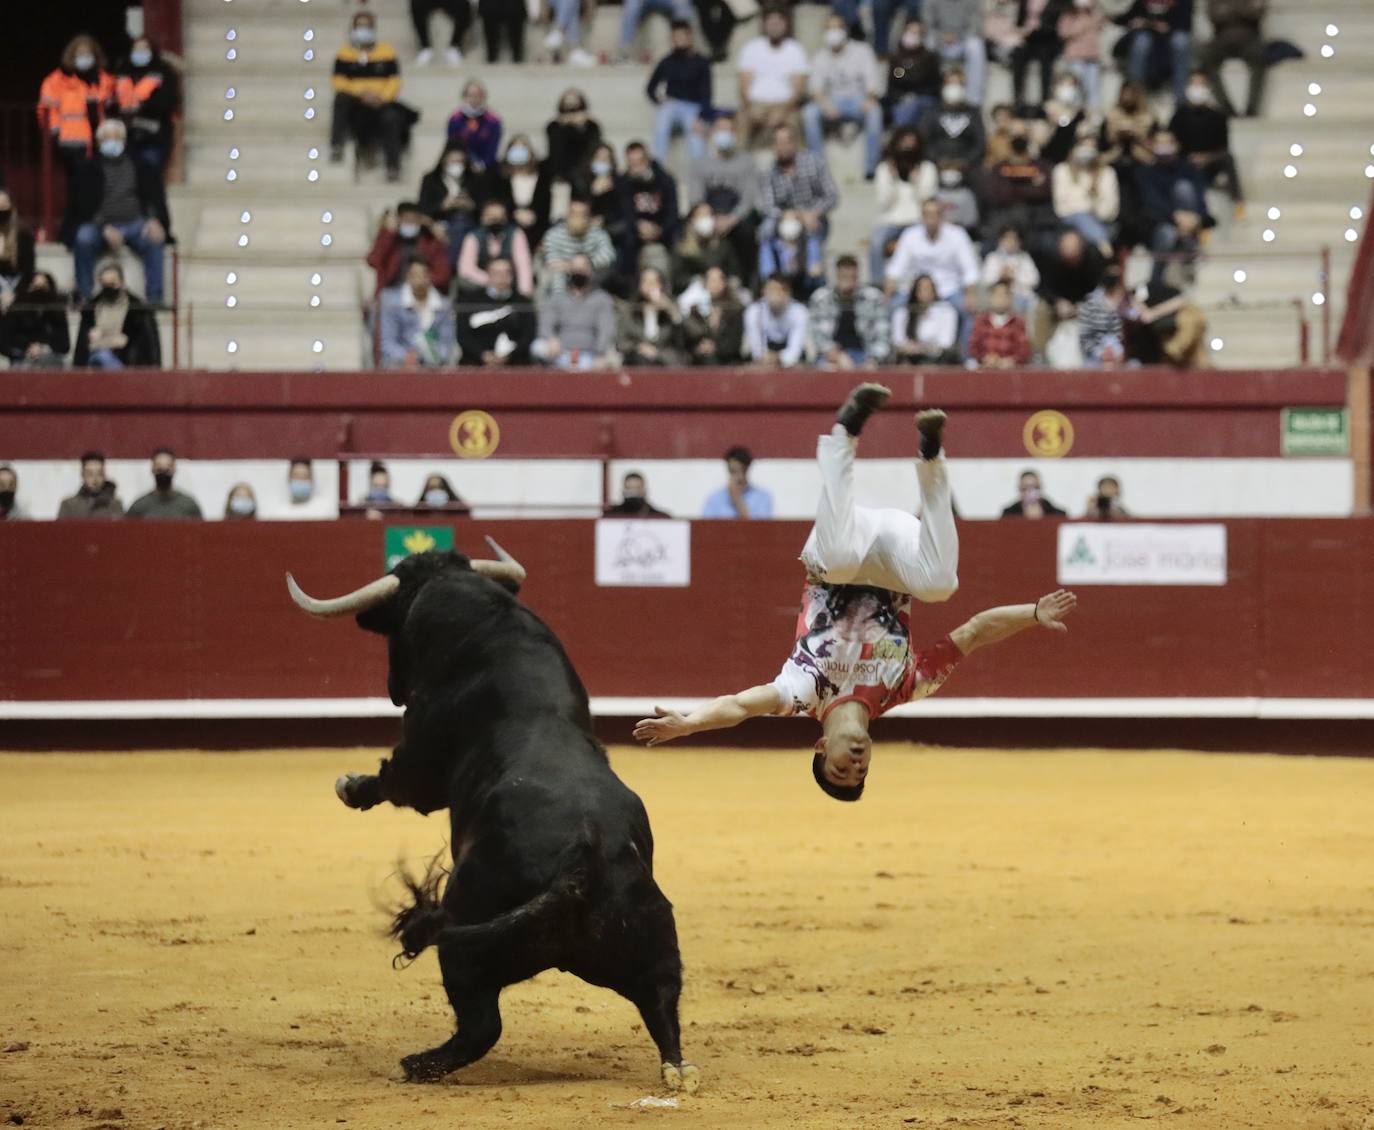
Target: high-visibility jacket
(374, 71)
(148, 99)
(71, 109)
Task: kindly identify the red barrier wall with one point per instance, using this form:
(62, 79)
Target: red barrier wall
(153, 611)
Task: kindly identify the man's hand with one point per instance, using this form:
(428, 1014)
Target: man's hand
(154, 231)
(664, 726)
(829, 110)
(1051, 610)
(811, 220)
(113, 239)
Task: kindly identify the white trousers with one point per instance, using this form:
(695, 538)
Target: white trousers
(887, 549)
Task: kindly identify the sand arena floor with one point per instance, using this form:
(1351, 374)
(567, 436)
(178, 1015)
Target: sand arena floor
(1049, 940)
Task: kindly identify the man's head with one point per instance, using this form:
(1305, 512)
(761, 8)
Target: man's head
(408, 219)
(579, 217)
(1002, 115)
(840, 764)
(846, 274)
(362, 32)
(682, 36)
(500, 278)
(1019, 132)
(494, 216)
(580, 273)
(777, 293)
(1009, 239)
(93, 471)
(632, 487)
(836, 32)
(737, 463)
(1164, 145)
(1199, 90)
(1108, 486)
(164, 467)
(999, 298)
(723, 133)
(417, 277)
(913, 35)
(572, 106)
(775, 25)
(1071, 247)
(637, 163)
(111, 137)
(933, 217)
(1030, 484)
(9, 484)
(474, 98)
(300, 479)
(378, 481)
(953, 90)
(784, 145)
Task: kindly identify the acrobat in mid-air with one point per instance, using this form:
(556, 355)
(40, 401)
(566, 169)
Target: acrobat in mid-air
(852, 659)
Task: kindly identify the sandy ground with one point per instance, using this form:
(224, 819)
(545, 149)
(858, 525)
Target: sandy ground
(1038, 939)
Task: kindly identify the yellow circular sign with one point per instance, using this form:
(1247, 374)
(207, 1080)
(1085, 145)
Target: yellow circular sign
(474, 434)
(1048, 434)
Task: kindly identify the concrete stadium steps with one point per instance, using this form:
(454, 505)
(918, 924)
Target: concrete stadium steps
(278, 231)
(1262, 337)
(270, 337)
(341, 286)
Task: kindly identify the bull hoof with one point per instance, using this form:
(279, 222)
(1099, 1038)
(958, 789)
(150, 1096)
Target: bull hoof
(356, 790)
(427, 1067)
(681, 1077)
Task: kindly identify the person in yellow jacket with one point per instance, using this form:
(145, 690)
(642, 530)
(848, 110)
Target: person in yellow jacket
(73, 99)
(367, 84)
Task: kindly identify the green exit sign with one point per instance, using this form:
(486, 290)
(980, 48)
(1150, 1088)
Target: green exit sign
(402, 541)
(1315, 431)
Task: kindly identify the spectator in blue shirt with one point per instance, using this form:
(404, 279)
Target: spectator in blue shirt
(737, 499)
(681, 89)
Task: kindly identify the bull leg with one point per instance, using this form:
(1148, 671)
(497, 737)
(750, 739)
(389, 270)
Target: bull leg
(479, 1027)
(403, 780)
(657, 1001)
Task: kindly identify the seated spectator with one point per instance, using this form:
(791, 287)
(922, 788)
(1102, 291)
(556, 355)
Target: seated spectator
(728, 180)
(925, 331)
(525, 188)
(1069, 272)
(648, 200)
(416, 323)
(1105, 505)
(96, 497)
(634, 500)
(701, 248)
(1066, 121)
(1101, 333)
(599, 182)
(567, 32)
(575, 236)
(496, 326)
(33, 331)
(650, 330)
(11, 509)
(576, 323)
(913, 77)
(459, 13)
(148, 92)
(1204, 136)
(1007, 262)
(572, 136)
(1086, 195)
(241, 503)
(503, 17)
(850, 326)
(1031, 501)
(954, 128)
(775, 327)
(799, 180)
(367, 86)
(300, 480)
(680, 89)
(1172, 197)
(883, 11)
(1080, 29)
(1237, 33)
(902, 184)
(1002, 29)
(1040, 44)
(940, 250)
(999, 339)
(713, 325)
(378, 494)
(738, 498)
(957, 200)
(998, 146)
(118, 329)
(439, 492)
(632, 14)
(497, 238)
(114, 202)
(452, 194)
(404, 235)
(164, 500)
(16, 249)
(75, 98)
(844, 88)
(1017, 191)
(772, 79)
(1166, 327)
(475, 127)
(955, 28)
(1159, 42)
(796, 255)
(1128, 126)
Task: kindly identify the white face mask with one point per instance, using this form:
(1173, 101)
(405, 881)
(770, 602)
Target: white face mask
(601, 168)
(836, 37)
(84, 61)
(725, 141)
(1067, 92)
(363, 37)
(705, 226)
(1198, 95)
(436, 497)
(951, 177)
(953, 93)
(518, 155)
(1085, 154)
(455, 170)
(111, 147)
(408, 231)
(242, 505)
(911, 40)
(790, 229)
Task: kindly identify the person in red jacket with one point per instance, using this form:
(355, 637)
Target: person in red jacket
(999, 339)
(404, 235)
(74, 98)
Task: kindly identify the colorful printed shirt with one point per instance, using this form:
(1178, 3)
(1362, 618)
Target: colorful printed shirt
(854, 642)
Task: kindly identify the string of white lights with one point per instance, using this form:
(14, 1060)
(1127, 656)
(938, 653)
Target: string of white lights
(231, 175)
(312, 176)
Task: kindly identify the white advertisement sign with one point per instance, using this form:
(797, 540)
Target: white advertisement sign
(643, 552)
(1110, 553)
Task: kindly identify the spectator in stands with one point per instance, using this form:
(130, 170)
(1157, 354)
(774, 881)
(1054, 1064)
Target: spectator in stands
(575, 236)
(738, 498)
(438, 491)
(701, 248)
(925, 330)
(850, 324)
(954, 128)
(459, 13)
(717, 19)
(1040, 44)
(1101, 333)
(1164, 326)
(1009, 263)
(572, 136)
(844, 88)
(1069, 272)
(1066, 120)
(11, 509)
(957, 200)
(524, 186)
(1105, 504)
(902, 184)
(300, 480)
(998, 145)
(728, 180)
(452, 193)
(576, 323)
(497, 238)
(1002, 29)
(1128, 126)
(1172, 198)
(1159, 43)
(496, 326)
(416, 322)
(794, 253)
(632, 14)
(241, 504)
(883, 11)
(713, 328)
(115, 202)
(404, 235)
(16, 249)
(164, 500)
(955, 28)
(648, 200)
(1017, 190)
(567, 32)
(999, 339)
(117, 330)
(148, 92)
(378, 489)
(96, 497)
(799, 181)
(1237, 33)
(772, 79)
(1031, 501)
(367, 85)
(1080, 29)
(1087, 196)
(939, 250)
(475, 127)
(503, 17)
(775, 326)
(33, 331)
(74, 99)
(634, 500)
(1204, 136)
(680, 89)
(913, 77)
(650, 327)
(599, 182)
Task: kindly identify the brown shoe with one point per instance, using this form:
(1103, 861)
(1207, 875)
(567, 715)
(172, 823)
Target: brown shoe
(930, 422)
(862, 402)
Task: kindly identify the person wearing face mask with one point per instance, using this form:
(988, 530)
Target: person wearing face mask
(437, 492)
(1101, 330)
(955, 28)
(648, 202)
(577, 325)
(1010, 263)
(16, 249)
(795, 254)
(634, 500)
(300, 481)
(33, 329)
(1204, 137)
(999, 339)
(1031, 501)
(417, 330)
(164, 501)
(241, 504)
(713, 327)
(573, 236)
(1065, 118)
(1087, 195)
(599, 182)
(1237, 33)
(913, 77)
(775, 333)
(459, 13)
(844, 88)
(74, 99)
(452, 193)
(496, 325)
(97, 496)
(954, 128)
(404, 235)
(148, 92)
(727, 179)
(522, 183)
(1127, 128)
(117, 330)
(956, 197)
(1017, 190)
(367, 87)
(11, 509)
(701, 248)
(680, 89)
(1040, 45)
(1172, 198)
(571, 136)
(496, 238)
(378, 497)
(475, 127)
(800, 182)
(1080, 29)
(1159, 42)
(772, 79)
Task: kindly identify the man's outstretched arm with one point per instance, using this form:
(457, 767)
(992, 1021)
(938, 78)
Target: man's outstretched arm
(718, 714)
(997, 624)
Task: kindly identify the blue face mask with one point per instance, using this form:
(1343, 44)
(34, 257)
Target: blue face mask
(436, 497)
(301, 489)
(378, 494)
(141, 58)
(518, 155)
(243, 506)
(112, 148)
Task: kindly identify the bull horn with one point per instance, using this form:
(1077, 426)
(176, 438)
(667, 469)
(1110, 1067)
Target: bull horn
(506, 568)
(360, 600)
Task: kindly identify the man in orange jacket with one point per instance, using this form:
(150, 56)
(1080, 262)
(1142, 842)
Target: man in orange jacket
(73, 99)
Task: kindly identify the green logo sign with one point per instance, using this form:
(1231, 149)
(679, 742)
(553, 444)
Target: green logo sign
(1080, 554)
(1315, 431)
(402, 541)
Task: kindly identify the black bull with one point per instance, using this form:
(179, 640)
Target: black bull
(552, 853)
